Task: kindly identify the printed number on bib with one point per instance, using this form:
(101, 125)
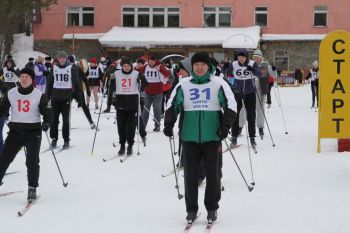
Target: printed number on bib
(23, 106)
(93, 73)
(239, 72)
(62, 77)
(151, 73)
(126, 82)
(197, 93)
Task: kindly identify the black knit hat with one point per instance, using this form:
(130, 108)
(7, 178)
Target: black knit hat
(126, 60)
(201, 57)
(28, 71)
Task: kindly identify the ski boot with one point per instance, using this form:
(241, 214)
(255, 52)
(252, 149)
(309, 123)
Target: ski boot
(156, 128)
(261, 133)
(233, 142)
(212, 215)
(31, 194)
(129, 150)
(65, 145)
(191, 216)
(144, 140)
(121, 150)
(54, 143)
(92, 125)
(107, 110)
(252, 141)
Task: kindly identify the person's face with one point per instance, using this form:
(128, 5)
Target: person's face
(257, 59)
(139, 65)
(126, 67)
(151, 62)
(62, 60)
(183, 73)
(25, 80)
(200, 68)
(9, 65)
(242, 59)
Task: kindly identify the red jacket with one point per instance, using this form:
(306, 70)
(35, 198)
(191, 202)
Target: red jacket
(154, 86)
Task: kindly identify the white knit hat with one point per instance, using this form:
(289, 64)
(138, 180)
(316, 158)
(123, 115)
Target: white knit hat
(258, 53)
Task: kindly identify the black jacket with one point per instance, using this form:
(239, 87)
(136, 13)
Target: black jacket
(131, 102)
(22, 127)
(56, 94)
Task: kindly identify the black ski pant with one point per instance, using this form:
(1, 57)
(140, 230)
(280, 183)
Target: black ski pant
(250, 106)
(60, 107)
(15, 140)
(314, 91)
(269, 94)
(126, 121)
(193, 153)
(86, 109)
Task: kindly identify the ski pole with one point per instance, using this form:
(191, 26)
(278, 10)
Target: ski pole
(98, 121)
(250, 188)
(152, 115)
(263, 112)
(180, 196)
(54, 156)
(250, 157)
(284, 122)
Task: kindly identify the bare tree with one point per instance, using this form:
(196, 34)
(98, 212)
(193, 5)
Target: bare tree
(14, 18)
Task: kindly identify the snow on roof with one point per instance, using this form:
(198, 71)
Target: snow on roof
(83, 36)
(247, 37)
(301, 37)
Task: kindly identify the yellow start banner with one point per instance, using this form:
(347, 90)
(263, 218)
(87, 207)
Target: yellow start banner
(334, 86)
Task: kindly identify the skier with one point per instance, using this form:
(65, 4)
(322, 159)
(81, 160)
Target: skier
(61, 83)
(82, 80)
(245, 71)
(155, 74)
(41, 73)
(95, 80)
(262, 89)
(128, 83)
(201, 97)
(27, 104)
(313, 74)
(10, 73)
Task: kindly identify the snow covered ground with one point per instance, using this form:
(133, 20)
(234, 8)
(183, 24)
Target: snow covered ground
(296, 191)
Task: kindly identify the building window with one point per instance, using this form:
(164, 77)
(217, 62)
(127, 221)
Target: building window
(80, 16)
(281, 60)
(320, 16)
(261, 16)
(217, 17)
(151, 17)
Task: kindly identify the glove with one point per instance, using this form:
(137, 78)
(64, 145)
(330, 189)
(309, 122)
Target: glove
(168, 131)
(223, 131)
(250, 68)
(45, 126)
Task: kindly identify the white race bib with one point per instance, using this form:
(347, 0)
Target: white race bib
(62, 77)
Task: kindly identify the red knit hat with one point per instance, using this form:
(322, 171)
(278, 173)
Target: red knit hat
(93, 60)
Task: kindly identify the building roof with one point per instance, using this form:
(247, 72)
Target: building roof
(83, 36)
(246, 37)
(292, 37)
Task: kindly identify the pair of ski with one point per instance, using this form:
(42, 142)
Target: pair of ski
(27, 207)
(236, 146)
(122, 157)
(56, 149)
(178, 169)
(207, 228)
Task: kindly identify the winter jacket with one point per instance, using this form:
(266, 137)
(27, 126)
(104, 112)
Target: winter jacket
(40, 73)
(58, 94)
(210, 94)
(244, 80)
(22, 127)
(155, 76)
(129, 102)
